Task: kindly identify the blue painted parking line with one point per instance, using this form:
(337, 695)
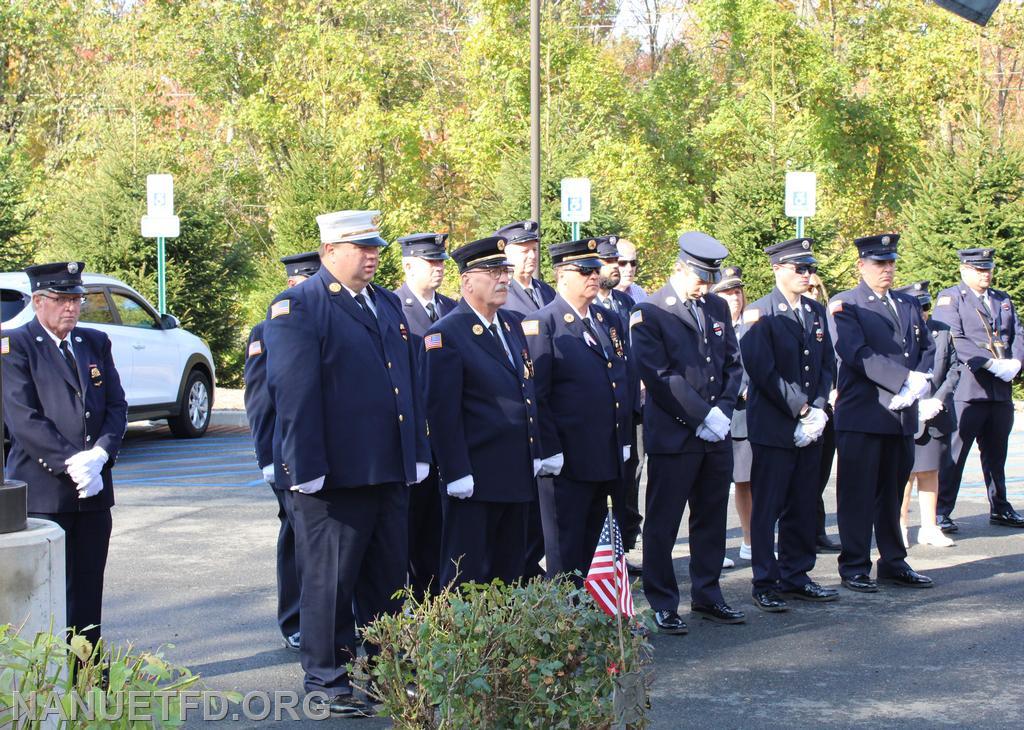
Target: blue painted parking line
(185, 477)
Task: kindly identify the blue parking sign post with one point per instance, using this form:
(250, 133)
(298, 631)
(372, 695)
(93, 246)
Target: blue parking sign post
(575, 203)
(160, 223)
(801, 197)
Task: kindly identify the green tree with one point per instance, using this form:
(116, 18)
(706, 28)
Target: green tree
(16, 249)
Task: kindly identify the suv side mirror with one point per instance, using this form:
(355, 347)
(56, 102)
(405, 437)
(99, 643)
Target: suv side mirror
(169, 321)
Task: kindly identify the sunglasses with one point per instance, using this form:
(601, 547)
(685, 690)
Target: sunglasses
(803, 268)
(627, 262)
(583, 272)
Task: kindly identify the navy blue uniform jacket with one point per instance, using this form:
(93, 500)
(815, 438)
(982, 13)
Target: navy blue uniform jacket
(789, 366)
(481, 407)
(519, 302)
(50, 417)
(259, 408)
(344, 386)
(584, 397)
(960, 308)
(875, 359)
(687, 372)
(414, 312)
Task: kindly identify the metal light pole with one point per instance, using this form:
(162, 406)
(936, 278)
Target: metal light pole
(535, 110)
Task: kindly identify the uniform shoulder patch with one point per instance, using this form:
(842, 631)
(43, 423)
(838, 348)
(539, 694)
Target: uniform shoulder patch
(751, 315)
(432, 342)
(281, 308)
(944, 301)
(255, 348)
(636, 318)
(531, 327)
(835, 306)
(5, 345)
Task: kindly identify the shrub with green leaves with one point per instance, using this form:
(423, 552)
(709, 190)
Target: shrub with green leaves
(540, 655)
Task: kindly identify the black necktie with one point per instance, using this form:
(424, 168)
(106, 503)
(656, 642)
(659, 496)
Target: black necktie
(361, 301)
(431, 312)
(501, 345)
(891, 306)
(65, 350)
(695, 311)
(595, 342)
(533, 296)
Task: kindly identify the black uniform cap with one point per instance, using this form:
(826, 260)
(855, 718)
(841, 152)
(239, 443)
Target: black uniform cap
(302, 264)
(878, 248)
(64, 277)
(428, 246)
(519, 232)
(485, 253)
(978, 258)
(582, 253)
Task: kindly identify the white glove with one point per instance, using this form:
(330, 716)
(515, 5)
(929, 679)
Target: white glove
(461, 488)
(86, 465)
(91, 488)
(706, 434)
(552, 466)
(626, 451)
(268, 473)
(901, 400)
(918, 385)
(929, 408)
(422, 470)
(310, 487)
(1005, 370)
(717, 422)
(800, 437)
(832, 396)
(814, 420)
(536, 467)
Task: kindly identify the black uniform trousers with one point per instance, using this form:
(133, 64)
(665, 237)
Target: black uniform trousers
(673, 480)
(352, 546)
(988, 422)
(784, 487)
(425, 536)
(481, 541)
(534, 540)
(626, 494)
(288, 587)
(873, 471)
(86, 542)
(828, 455)
(573, 513)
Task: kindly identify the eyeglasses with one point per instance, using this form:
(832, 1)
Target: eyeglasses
(495, 272)
(65, 301)
(627, 262)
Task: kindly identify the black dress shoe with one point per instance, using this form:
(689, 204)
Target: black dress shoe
(908, 579)
(812, 592)
(769, 601)
(825, 544)
(861, 583)
(634, 570)
(342, 706)
(669, 622)
(944, 523)
(292, 642)
(720, 613)
(1007, 518)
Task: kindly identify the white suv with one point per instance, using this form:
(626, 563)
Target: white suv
(166, 372)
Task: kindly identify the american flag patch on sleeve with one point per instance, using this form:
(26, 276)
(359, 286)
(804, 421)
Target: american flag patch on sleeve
(432, 342)
(281, 308)
(5, 345)
(636, 318)
(255, 348)
(836, 306)
(531, 327)
(944, 301)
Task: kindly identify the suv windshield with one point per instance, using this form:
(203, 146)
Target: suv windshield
(11, 303)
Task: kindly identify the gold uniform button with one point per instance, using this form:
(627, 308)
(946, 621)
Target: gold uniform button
(609, 366)
(400, 418)
(88, 414)
(614, 385)
(389, 363)
(396, 391)
(708, 359)
(529, 402)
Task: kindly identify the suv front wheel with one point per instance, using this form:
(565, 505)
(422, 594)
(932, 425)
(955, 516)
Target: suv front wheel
(194, 409)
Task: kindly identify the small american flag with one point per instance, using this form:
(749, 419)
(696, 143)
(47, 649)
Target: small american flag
(607, 568)
(432, 342)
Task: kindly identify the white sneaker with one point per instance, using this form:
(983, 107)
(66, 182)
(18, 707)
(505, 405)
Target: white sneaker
(744, 551)
(933, 536)
(728, 562)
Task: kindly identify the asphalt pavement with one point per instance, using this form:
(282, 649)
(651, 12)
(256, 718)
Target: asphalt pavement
(191, 569)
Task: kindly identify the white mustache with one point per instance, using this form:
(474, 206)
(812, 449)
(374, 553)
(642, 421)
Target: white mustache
(501, 287)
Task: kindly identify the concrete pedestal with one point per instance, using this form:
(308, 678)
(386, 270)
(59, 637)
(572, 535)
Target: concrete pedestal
(32, 590)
